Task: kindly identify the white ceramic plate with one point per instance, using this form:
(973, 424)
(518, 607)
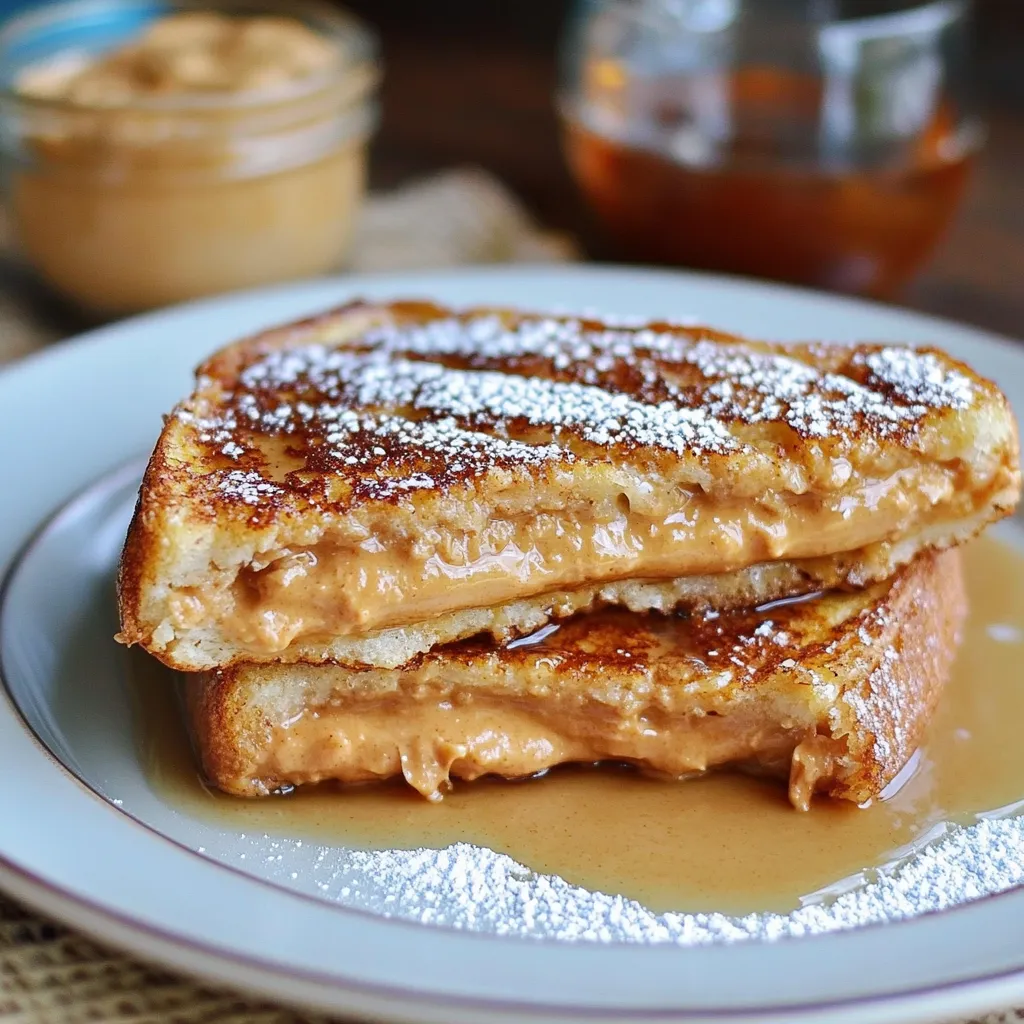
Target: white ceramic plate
(83, 837)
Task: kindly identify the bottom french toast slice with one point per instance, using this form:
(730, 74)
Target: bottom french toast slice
(832, 692)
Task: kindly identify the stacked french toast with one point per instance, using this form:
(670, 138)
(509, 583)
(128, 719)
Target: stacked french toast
(398, 539)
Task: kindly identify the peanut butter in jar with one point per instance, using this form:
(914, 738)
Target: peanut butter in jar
(197, 152)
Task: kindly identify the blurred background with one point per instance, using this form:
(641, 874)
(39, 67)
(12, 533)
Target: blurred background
(661, 138)
(473, 83)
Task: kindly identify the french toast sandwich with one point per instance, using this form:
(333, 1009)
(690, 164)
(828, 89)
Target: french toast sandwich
(831, 692)
(359, 488)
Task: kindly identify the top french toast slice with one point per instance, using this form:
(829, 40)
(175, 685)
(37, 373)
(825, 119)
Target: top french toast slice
(365, 484)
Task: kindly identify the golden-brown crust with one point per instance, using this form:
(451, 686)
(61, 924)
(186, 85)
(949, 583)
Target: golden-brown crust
(843, 399)
(428, 420)
(915, 641)
(816, 667)
(225, 734)
(130, 579)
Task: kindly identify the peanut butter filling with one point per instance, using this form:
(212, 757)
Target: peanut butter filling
(334, 589)
(466, 737)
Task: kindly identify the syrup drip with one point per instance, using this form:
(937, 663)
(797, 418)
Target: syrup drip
(724, 843)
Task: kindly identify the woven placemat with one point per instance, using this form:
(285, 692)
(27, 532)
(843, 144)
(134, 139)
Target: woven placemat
(48, 973)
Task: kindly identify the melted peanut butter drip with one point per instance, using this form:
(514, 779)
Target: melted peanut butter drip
(726, 843)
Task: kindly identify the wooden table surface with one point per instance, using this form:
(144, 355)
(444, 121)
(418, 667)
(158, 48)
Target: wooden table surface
(470, 83)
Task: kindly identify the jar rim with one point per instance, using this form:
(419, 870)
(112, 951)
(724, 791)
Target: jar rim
(356, 43)
(916, 16)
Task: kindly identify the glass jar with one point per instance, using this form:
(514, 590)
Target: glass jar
(824, 142)
(126, 201)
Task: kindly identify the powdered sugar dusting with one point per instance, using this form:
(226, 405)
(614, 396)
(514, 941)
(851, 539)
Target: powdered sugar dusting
(920, 377)
(479, 399)
(472, 888)
(414, 406)
(248, 486)
(733, 382)
(755, 388)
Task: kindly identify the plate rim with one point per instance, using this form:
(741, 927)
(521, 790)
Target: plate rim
(269, 980)
(350, 283)
(43, 893)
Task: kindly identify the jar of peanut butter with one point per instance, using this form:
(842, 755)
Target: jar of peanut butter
(160, 151)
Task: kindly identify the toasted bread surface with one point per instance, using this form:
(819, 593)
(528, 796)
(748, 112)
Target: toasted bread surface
(383, 478)
(833, 692)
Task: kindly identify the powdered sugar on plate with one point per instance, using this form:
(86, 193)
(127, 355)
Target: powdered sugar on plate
(475, 889)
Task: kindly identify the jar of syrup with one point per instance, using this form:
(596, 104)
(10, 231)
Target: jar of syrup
(823, 142)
